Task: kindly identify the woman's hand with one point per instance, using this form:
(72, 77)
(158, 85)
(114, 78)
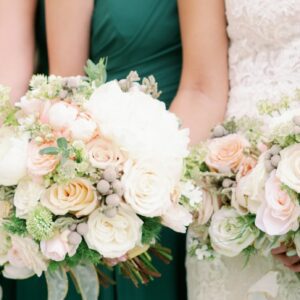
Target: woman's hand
(202, 96)
(291, 262)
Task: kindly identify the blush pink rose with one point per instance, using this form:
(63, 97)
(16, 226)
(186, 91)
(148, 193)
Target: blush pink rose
(58, 247)
(246, 167)
(38, 164)
(226, 154)
(279, 213)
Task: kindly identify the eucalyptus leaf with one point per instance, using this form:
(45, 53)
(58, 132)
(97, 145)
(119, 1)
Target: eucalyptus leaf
(50, 151)
(62, 143)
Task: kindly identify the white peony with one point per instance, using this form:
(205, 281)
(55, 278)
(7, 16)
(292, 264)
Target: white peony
(58, 247)
(61, 115)
(147, 187)
(249, 192)
(114, 237)
(229, 232)
(288, 170)
(83, 128)
(13, 156)
(24, 259)
(140, 124)
(177, 217)
(27, 196)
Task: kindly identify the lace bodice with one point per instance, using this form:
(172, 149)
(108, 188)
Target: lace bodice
(264, 63)
(264, 54)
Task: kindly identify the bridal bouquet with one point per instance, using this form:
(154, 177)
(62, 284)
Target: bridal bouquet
(250, 181)
(89, 173)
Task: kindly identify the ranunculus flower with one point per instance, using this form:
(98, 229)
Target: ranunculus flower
(147, 188)
(103, 153)
(114, 237)
(61, 115)
(24, 259)
(288, 170)
(13, 155)
(83, 128)
(249, 192)
(77, 197)
(229, 233)
(139, 124)
(177, 217)
(58, 247)
(40, 164)
(27, 196)
(226, 154)
(279, 213)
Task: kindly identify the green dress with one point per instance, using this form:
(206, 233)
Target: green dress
(141, 35)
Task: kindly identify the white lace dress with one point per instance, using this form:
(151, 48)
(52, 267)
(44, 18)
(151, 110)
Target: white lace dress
(264, 64)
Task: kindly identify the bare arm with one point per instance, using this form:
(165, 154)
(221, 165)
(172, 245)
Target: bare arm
(16, 44)
(202, 96)
(68, 35)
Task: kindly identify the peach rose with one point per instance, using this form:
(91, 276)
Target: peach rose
(246, 167)
(226, 154)
(279, 213)
(77, 197)
(103, 153)
(40, 164)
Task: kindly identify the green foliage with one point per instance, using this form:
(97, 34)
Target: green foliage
(97, 72)
(151, 229)
(49, 151)
(248, 252)
(15, 225)
(231, 126)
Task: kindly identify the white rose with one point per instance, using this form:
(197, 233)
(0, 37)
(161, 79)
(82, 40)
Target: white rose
(24, 259)
(27, 196)
(114, 237)
(58, 247)
(249, 192)
(61, 115)
(229, 233)
(177, 217)
(13, 156)
(147, 188)
(103, 153)
(288, 170)
(83, 128)
(139, 124)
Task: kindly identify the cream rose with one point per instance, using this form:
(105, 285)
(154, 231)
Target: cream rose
(103, 153)
(77, 197)
(288, 170)
(27, 196)
(249, 193)
(24, 259)
(58, 247)
(278, 214)
(114, 237)
(61, 115)
(147, 188)
(209, 204)
(177, 218)
(83, 128)
(40, 164)
(229, 233)
(226, 154)
(13, 154)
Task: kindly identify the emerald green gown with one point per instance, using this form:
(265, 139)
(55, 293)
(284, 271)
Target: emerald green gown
(141, 35)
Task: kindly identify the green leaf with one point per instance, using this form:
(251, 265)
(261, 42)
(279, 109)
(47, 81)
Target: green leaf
(49, 151)
(62, 143)
(97, 72)
(151, 229)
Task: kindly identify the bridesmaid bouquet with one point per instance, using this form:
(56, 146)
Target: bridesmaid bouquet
(89, 173)
(250, 180)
